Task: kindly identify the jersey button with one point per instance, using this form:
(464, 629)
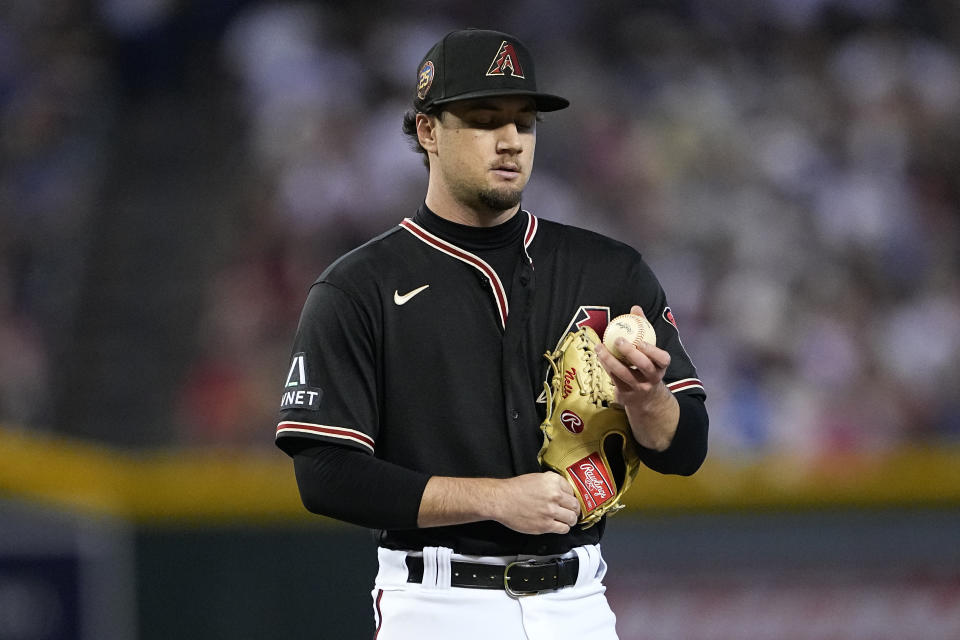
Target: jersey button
(515, 414)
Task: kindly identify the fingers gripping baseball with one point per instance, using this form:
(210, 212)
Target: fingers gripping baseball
(641, 365)
(538, 503)
(638, 377)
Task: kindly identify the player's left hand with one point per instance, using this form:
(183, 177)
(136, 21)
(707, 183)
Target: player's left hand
(651, 408)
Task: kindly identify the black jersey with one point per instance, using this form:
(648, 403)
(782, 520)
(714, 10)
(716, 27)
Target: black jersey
(410, 348)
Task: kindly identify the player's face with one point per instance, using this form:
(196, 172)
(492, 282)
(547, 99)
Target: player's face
(484, 151)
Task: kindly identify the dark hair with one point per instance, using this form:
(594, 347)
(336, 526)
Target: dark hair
(410, 130)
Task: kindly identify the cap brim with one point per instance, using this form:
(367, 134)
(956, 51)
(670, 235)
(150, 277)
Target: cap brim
(543, 101)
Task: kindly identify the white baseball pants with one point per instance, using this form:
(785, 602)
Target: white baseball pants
(434, 610)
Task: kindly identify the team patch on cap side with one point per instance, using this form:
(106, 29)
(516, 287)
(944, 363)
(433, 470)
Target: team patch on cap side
(425, 79)
(506, 58)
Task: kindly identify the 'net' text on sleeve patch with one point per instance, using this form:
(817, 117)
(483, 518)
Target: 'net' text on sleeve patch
(306, 398)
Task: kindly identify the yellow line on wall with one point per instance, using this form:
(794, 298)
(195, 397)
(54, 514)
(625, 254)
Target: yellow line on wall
(904, 477)
(170, 484)
(226, 485)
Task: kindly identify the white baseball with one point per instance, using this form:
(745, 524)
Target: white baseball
(632, 328)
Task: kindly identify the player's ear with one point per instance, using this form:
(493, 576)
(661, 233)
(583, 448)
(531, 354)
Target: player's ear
(427, 131)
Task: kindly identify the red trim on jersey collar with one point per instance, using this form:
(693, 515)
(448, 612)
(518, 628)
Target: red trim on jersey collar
(532, 225)
(499, 292)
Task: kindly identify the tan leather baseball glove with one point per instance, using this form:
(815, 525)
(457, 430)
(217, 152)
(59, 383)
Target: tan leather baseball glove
(587, 437)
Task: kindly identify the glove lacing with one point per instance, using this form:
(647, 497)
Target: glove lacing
(597, 387)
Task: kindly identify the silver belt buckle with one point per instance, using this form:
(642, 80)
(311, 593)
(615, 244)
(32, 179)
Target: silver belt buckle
(506, 580)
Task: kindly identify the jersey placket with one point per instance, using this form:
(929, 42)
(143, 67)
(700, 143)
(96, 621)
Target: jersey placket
(520, 411)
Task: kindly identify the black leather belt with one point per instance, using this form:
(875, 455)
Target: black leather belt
(522, 578)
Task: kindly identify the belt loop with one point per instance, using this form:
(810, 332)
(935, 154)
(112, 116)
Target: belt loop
(393, 567)
(444, 571)
(601, 563)
(436, 567)
(429, 568)
(588, 564)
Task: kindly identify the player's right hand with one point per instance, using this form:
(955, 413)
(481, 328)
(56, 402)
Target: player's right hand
(537, 503)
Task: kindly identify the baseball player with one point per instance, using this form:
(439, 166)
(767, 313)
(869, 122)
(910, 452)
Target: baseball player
(411, 401)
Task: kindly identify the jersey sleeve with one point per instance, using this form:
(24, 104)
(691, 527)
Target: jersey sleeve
(329, 393)
(688, 449)
(681, 376)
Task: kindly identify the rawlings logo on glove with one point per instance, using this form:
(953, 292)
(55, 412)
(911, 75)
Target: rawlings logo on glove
(587, 437)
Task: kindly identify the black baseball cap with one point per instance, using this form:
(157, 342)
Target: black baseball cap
(473, 63)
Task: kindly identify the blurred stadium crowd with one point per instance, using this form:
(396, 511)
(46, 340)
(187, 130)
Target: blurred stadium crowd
(175, 175)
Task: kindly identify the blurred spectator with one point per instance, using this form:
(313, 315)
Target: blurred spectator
(793, 161)
(55, 106)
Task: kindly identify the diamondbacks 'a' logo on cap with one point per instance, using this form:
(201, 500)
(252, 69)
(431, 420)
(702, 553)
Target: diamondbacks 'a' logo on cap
(425, 79)
(506, 60)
